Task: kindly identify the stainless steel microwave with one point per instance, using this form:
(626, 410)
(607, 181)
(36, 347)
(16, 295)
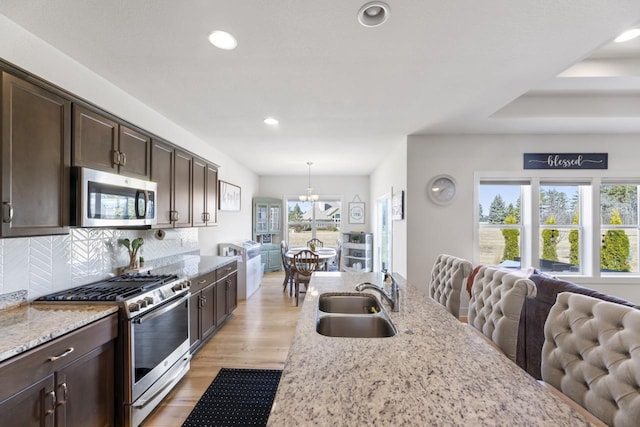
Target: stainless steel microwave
(105, 199)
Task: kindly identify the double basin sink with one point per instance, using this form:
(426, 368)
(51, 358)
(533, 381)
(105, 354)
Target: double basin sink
(352, 316)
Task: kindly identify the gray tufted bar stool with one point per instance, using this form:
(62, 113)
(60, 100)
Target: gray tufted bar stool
(497, 297)
(447, 278)
(591, 354)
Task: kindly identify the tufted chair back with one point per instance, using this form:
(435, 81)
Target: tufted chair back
(592, 354)
(447, 277)
(497, 297)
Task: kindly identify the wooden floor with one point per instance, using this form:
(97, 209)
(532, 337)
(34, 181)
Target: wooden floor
(257, 336)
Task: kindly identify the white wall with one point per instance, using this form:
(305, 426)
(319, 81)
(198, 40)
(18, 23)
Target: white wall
(449, 229)
(346, 187)
(392, 172)
(34, 55)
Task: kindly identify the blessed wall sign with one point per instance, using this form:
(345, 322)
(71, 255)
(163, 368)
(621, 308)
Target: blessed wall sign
(566, 160)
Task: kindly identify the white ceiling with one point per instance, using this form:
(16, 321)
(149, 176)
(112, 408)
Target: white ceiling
(346, 94)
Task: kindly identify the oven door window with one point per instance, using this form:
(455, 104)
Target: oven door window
(156, 336)
(115, 202)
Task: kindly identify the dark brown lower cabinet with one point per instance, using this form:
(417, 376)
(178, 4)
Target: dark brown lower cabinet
(66, 382)
(202, 309)
(214, 297)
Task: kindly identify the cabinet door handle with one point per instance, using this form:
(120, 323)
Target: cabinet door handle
(52, 408)
(64, 395)
(116, 158)
(65, 354)
(177, 215)
(7, 212)
(123, 159)
(203, 301)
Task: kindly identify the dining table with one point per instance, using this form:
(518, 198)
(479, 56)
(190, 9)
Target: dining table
(324, 255)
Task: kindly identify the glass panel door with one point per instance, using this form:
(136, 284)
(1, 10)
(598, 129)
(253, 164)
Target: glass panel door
(261, 218)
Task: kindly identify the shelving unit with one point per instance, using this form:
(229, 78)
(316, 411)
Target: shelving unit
(267, 230)
(357, 252)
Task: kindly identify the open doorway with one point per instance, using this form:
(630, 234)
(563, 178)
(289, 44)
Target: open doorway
(385, 233)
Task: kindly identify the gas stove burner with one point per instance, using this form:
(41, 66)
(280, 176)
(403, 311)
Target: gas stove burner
(144, 278)
(117, 289)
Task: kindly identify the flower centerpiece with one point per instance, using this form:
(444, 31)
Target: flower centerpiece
(132, 248)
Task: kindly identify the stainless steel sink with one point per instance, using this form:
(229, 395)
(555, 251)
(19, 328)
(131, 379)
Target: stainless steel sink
(355, 326)
(349, 304)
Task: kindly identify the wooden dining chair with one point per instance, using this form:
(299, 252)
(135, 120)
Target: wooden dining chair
(286, 264)
(303, 265)
(318, 242)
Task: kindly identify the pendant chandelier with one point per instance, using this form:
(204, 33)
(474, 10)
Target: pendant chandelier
(309, 197)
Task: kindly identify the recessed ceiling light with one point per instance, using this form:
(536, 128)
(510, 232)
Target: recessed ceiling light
(373, 14)
(271, 121)
(223, 40)
(628, 35)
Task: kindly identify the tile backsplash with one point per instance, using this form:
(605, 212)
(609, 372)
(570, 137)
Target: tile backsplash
(48, 264)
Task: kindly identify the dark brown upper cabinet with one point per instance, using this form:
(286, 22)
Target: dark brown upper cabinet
(212, 195)
(205, 193)
(36, 155)
(172, 170)
(105, 144)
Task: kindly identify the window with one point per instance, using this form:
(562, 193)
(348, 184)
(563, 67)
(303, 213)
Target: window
(619, 228)
(588, 227)
(320, 219)
(500, 219)
(559, 218)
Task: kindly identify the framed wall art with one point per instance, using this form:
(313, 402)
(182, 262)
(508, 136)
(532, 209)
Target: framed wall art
(229, 196)
(356, 212)
(397, 206)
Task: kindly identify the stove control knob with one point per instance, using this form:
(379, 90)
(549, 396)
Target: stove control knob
(133, 307)
(142, 303)
(180, 286)
(149, 300)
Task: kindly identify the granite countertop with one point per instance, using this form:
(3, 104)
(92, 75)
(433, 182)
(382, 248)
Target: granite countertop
(24, 326)
(191, 266)
(27, 326)
(436, 371)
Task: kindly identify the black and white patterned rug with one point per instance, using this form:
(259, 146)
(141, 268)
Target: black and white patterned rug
(236, 397)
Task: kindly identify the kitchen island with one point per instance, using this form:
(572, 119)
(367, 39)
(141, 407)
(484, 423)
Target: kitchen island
(435, 371)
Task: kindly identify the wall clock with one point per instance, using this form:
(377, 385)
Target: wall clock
(442, 189)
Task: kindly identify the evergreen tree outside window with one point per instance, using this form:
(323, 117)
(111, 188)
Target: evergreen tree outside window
(500, 225)
(619, 228)
(559, 227)
(574, 242)
(511, 240)
(615, 251)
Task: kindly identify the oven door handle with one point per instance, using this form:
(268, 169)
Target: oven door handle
(141, 403)
(155, 313)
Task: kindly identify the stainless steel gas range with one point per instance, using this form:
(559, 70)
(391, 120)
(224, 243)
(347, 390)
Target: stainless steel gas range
(153, 343)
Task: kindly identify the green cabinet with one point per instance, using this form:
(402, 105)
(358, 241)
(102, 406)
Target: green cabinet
(267, 230)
